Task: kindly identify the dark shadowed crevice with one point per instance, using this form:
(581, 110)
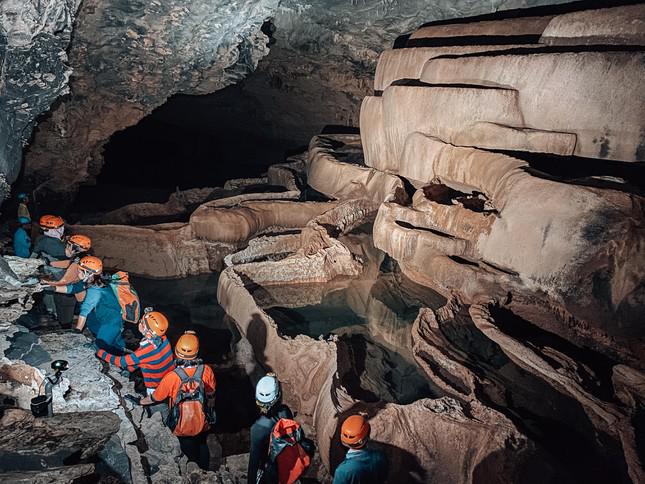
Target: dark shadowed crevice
(409, 226)
(473, 40)
(419, 83)
(617, 175)
(599, 383)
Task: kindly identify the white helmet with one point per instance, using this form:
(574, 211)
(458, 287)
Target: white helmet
(267, 391)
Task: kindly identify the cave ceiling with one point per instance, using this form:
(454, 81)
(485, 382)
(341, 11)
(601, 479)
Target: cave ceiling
(82, 71)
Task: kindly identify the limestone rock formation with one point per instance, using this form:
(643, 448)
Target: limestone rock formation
(541, 275)
(34, 36)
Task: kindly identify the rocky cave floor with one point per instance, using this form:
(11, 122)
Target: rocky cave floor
(96, 435)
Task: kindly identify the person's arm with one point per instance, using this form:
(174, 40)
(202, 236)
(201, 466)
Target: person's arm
(129, 362)
(161, 392)
(91, 301)
(209, 382)
(66, 289)
(61, 264)
(70, 276)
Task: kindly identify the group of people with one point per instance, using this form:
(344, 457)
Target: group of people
(178, 383)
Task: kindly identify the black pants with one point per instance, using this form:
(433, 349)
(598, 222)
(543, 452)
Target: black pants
(196, 449)
(65, 304)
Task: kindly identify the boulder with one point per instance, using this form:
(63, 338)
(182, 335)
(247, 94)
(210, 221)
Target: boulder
(25, 441)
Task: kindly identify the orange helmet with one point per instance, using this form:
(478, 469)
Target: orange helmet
(187, 346)
(51, 222)
(83, 242)
(355, 431)
(92, 264)
(157, 322)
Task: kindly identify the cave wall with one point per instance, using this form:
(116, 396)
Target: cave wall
(130, 57)
(34, 36)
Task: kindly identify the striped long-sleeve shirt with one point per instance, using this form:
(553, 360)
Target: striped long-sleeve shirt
(155, 360)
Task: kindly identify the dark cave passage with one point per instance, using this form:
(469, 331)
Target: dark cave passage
(189, 142)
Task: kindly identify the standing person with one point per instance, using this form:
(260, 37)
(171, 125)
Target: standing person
(100, 309)
(268, 399)
(361, 465)
(154, 356)
(21, 239)
(23, 208)
(65, 272)
(190, 389)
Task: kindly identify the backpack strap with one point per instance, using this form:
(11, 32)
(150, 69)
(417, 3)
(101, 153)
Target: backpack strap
(181, 373)
(199, 372)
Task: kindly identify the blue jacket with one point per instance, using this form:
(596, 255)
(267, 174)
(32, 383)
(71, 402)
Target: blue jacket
(21, 243)
(101, 300)
(364, 466)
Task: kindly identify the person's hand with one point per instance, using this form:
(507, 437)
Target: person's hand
(135, 399)
(48, 282)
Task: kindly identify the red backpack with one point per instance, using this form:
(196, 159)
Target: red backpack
(187, 416)
(127, 296)
(286, 451)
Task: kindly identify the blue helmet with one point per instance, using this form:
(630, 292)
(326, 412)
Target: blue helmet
(24, 220)
(22, 196)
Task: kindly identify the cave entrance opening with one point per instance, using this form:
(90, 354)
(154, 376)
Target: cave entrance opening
(189, 142)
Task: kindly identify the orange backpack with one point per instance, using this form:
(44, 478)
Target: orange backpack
(286, 451)
(127, 296)
(187, 417)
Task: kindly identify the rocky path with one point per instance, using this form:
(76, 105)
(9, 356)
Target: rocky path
(95, 433)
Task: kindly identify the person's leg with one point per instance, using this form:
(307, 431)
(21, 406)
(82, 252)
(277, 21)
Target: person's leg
(48, 302)
(65, 304)
(109, 337)
(204, 453)
(190, 448)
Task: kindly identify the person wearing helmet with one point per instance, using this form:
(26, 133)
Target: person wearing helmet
(269, 402)
(186, 350)
(100, 309)
(362, 465)
(154, 356)
(66, 269)
(50, 247)
(21, 239)
(64, 272)
(23, 208)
